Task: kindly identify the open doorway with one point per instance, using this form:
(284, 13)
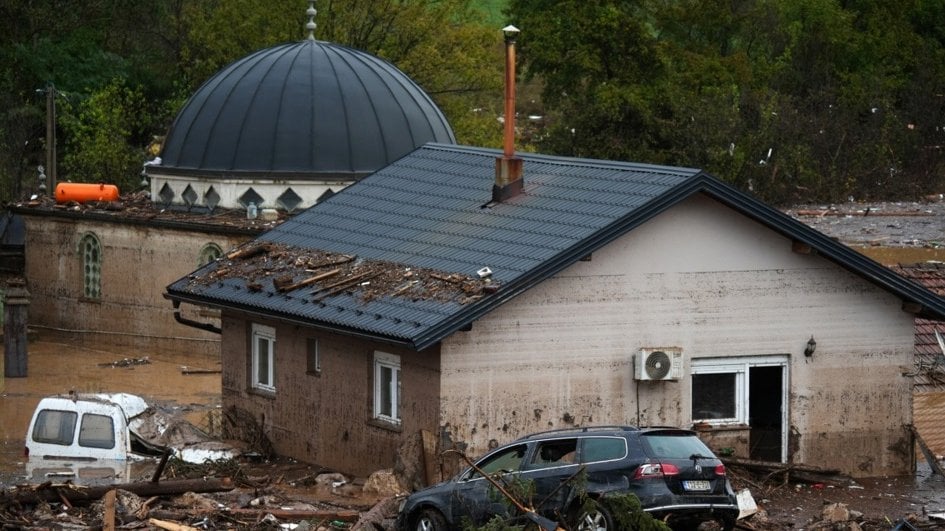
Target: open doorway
(765, 411)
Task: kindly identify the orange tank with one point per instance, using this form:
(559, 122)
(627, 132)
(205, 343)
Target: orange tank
(84, 192)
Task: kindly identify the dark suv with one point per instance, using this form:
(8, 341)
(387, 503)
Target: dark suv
(675, 476)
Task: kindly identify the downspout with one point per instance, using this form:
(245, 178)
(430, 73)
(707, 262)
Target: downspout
(194, 324)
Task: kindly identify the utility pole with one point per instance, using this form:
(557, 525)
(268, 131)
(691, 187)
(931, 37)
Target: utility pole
(51, 135)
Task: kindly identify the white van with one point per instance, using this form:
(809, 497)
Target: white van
(79, 436)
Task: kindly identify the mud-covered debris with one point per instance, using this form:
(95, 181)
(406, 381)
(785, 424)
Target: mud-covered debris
(267, 267)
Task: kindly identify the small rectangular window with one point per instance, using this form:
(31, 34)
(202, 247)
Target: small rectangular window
(386, 387)
(55, 427)
(97, 431)
(714, 396)
(314, 364)
(263, 357)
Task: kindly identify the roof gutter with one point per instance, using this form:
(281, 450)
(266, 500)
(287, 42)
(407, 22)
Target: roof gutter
(178, 298)
(194, 324)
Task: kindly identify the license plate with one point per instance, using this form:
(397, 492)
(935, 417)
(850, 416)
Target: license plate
(696, 485)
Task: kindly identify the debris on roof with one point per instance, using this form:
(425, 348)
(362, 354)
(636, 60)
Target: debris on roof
(278, 268)
(139, 206)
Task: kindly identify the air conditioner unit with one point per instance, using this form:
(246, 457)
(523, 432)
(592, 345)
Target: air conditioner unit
(659, 364)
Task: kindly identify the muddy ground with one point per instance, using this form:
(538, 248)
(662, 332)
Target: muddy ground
(60, 364)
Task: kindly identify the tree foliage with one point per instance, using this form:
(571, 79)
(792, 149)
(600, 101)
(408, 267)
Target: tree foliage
(797, 100)
(162, 50)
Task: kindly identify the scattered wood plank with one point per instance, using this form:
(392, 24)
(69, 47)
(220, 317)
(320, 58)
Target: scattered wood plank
(344, 515)
(170, 526)
(249, 251)
(195, 370)
(307, 281)
(428, 445)
(338, 287)
(108, 519)
(927, 452)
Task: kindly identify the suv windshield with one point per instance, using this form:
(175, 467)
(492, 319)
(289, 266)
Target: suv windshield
(674, 446)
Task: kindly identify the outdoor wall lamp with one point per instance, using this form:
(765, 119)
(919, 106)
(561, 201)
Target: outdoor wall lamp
(811, 347)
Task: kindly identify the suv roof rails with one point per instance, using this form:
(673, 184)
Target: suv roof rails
(579, 429)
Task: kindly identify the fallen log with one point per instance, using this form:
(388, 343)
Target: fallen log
(796, 471)
(78, 494)
(383, 510)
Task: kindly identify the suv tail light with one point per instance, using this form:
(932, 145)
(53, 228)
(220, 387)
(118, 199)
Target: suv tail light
(655, 470)
(719, 470)
(26, 451)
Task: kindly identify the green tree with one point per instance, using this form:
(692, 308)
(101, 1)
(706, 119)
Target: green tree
(101, 133)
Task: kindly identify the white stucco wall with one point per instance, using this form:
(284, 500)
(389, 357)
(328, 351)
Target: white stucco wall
(707, 280)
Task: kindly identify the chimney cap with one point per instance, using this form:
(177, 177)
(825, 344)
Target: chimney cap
(510, 31)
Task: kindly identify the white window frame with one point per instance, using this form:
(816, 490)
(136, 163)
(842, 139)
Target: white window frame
(740, 367)
(267, 335)
(384, 360)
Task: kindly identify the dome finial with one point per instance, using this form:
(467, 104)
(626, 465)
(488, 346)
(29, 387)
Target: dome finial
(310, 26)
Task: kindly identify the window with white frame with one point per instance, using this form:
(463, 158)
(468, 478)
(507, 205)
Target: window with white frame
(264, 349)
(720, 387)
(386, 387)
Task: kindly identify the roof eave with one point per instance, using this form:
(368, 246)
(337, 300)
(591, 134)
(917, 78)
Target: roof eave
(267, 314)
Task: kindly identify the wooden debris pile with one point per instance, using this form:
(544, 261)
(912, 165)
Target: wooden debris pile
(277, 268)
(251, 502)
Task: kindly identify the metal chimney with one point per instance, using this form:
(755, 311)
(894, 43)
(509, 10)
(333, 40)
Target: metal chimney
(508, 167)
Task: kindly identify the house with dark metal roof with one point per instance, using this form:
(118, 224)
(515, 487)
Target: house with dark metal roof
(454, 294)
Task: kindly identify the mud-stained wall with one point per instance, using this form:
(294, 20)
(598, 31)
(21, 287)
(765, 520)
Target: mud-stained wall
(717, 285)
(326, 417)
(137, 263)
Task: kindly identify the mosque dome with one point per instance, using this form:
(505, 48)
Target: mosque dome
(309, 108)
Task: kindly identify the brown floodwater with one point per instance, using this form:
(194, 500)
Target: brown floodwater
(60, 365)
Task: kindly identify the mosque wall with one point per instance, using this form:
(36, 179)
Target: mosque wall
(103, 281)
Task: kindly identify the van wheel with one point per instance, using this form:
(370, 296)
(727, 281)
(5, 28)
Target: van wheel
(596, 519)
(430, 520)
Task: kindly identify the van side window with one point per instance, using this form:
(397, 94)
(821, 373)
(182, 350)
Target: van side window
(603, 449)
(97, 431)
(54, 427)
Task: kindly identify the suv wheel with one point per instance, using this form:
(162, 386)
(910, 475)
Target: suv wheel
(430, 520)
(596, 519)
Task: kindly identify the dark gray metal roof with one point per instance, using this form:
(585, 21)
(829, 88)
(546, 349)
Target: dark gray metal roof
(309, 107)
(431, 209)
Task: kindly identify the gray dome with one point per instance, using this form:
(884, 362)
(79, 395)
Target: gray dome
(306, 108)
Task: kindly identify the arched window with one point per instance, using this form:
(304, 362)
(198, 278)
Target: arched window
(91, 252)
(209, 253)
